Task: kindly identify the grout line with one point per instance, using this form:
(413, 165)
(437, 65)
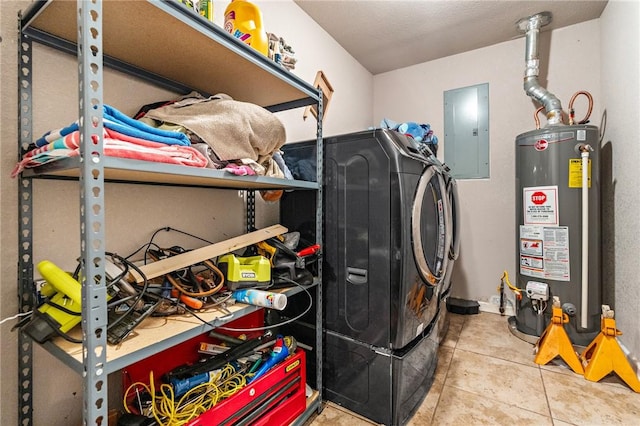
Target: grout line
(506, 403)
(544, 389)
(446, 374)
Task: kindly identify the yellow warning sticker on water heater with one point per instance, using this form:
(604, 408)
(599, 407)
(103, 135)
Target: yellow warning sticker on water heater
(575, 173)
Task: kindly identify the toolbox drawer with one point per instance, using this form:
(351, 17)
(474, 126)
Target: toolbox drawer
(277, 398)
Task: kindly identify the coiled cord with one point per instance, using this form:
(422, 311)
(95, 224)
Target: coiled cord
(167, 411)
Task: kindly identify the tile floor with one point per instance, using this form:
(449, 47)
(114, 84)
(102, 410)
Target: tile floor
(486, 376)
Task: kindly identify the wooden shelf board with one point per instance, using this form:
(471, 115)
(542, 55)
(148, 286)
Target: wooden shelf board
(202, 57)
(135, 171)
(153, 335)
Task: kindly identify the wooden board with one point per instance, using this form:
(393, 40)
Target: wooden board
(173, 263)
(320, 82)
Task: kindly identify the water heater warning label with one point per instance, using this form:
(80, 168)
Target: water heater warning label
(544, 252)
(540, 204)
(575, 173)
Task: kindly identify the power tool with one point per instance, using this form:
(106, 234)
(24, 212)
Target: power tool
(61, 311)
(245, 272)
(289, 264)
(62, 308)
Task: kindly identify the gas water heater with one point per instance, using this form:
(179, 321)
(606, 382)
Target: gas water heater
(557, 210)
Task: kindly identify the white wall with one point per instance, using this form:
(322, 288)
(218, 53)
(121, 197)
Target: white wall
(133, 212)
(487, 205)
(351, 105)
(619, 63)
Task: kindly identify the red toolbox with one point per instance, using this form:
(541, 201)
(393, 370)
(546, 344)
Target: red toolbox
(276, 398)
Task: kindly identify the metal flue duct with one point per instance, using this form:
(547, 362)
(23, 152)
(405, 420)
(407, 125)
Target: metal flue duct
(531, 26)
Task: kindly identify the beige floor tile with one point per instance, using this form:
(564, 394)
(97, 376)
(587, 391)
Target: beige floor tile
(489, 334)
(458, 407)
(456, 322)
(557, 422)
(445, 355)
(507, 382)
(557, 365)
(575, 400)
(457, 318)
(486, 376)
(334, 415)
(424, 413)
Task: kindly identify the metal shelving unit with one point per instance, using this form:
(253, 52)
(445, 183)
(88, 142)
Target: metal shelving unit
(205, 59)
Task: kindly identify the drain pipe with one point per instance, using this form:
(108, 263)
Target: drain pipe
(584, 154)
(531, 26)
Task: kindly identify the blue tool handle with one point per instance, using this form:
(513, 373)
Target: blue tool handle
(182, 386)
(279, 353)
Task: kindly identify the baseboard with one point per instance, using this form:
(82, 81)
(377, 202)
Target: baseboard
(490, 307)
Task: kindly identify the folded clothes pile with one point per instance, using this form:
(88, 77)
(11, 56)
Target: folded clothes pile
(193, 130)
(123, 137)
(121, 123)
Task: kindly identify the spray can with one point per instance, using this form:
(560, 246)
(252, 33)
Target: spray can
(266, 299)
(243, 20)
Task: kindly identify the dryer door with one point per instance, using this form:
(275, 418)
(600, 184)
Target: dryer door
(430, 227)
(452, 194)
(454, 247)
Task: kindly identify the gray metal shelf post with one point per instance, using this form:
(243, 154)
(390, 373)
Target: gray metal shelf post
(92, 250)
(319, 237)
(25, 232)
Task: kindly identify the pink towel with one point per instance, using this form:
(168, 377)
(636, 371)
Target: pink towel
(114, 145)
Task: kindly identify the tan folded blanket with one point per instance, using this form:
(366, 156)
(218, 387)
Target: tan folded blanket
(233, 129)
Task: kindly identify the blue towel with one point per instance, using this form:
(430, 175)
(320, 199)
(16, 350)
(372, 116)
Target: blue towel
(116, 120)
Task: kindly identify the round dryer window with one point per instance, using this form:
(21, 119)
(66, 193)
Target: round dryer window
(430, 227)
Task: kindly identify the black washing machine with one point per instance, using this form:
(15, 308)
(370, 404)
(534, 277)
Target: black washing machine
(387, 240)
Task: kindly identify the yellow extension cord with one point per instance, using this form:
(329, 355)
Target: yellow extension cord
(168, 412)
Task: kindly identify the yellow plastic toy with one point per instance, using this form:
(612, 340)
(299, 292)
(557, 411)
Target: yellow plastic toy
(604, 354)
(554, 341)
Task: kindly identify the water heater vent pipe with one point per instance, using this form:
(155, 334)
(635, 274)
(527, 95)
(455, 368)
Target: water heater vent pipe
(531, 26)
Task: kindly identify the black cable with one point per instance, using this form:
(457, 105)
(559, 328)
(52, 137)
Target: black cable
(290, 320)
(168, 228)
(62, 308)
(66, 337)
(76, 273)
(150, 243)
(120, 301)
(144, 246)
(140, 294)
